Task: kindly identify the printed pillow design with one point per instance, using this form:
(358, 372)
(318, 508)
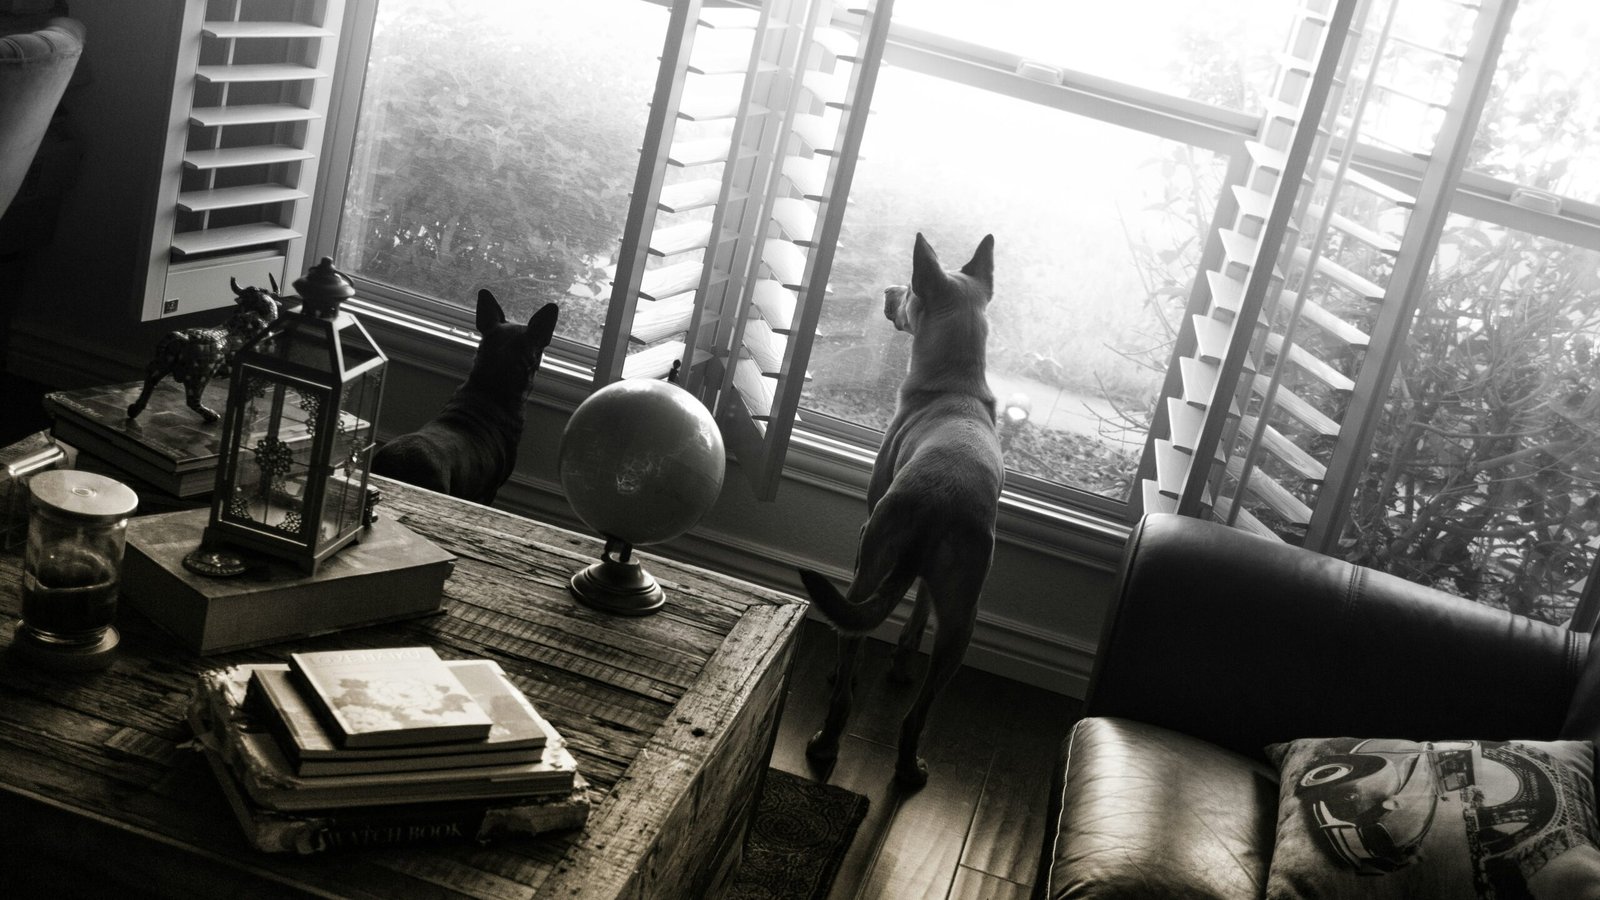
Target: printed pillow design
(1478, 820)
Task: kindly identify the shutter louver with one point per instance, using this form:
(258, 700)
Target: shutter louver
(244, 135)
(765, 248)
(1307, 379)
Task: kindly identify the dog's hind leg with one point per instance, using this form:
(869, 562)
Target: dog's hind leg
(910, 643)
(823, 748)
(881, 576)
(953, 587)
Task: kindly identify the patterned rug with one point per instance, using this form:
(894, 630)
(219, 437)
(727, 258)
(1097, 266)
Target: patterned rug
(800, 835)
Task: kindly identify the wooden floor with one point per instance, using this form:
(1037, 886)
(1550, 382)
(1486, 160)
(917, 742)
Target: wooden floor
(974, 831)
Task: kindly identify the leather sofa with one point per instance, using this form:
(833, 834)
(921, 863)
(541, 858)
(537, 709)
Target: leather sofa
(1219, 643)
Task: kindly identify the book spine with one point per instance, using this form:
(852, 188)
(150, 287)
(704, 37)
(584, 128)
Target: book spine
(314, 701)
(360, 828)
(336, 832)
(107, 451)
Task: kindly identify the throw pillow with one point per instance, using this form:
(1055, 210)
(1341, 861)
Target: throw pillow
(1443, 820)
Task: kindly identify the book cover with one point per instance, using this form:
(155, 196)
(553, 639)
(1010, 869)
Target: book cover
(388, 696)
(390, 573)
(478, 822)
(168, 445)
(189, 484)
(518, 734)
(221, 720)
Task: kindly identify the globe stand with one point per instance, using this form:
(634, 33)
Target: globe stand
(617, 584)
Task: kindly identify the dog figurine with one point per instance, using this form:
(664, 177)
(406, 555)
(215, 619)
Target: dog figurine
(469, 449)
(931, 502)
(194, 356)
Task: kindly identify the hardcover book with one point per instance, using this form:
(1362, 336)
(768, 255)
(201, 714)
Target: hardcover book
(388, 697)
(478, 822)
(220, 719)
(518, 735)
(168, 445)
(390, 573)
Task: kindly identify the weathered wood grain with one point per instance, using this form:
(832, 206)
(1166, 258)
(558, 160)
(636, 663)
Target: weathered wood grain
(670, 717)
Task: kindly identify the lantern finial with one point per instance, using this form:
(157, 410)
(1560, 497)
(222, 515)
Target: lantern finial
(323, 289)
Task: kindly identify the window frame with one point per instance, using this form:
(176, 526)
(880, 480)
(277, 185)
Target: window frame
(839, 454)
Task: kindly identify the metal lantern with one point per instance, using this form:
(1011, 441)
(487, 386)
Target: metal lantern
(298, 435)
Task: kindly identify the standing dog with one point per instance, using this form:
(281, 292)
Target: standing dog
(470, 448)
(932, 499)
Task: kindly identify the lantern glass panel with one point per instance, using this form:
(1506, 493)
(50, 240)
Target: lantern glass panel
(307, 344)
(351, 455)
(274, 461)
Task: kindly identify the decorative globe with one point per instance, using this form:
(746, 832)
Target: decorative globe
(641, 462)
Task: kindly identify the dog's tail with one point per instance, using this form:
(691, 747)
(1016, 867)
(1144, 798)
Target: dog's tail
(857, 617)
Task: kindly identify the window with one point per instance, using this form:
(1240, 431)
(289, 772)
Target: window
(1235, 239)
(1486, 464)
(495, 150)
(1541, 125)
(1078, 340)
(1215, 53)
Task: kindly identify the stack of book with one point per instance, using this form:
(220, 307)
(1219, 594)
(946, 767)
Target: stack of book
(363, 747)
(169, 446)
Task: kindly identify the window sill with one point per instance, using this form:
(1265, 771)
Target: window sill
(1081, 536)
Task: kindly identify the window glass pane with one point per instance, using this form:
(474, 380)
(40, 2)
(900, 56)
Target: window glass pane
(1414, 79)
(1482, 479)
(496, 147)
(1541, 126)
(1214, 51)
(1097, 237)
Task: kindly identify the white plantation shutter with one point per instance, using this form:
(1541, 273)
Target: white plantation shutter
(1283, 369)
(730, 236)
(243, 140)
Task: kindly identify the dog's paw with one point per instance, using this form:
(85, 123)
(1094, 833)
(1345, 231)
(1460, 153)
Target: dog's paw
(911, 777)
(822, 748)
(821, 756)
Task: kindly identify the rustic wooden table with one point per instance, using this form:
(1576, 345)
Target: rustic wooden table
(670, 717)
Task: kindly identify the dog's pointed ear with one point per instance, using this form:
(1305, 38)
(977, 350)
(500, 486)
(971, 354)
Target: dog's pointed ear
(981, 266)
(925, 270)
(543, 325)
(489, 312)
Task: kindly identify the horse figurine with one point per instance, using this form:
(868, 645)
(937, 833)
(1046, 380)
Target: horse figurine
(194, 356)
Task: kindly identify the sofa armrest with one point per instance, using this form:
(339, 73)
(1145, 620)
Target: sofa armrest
(1245, 641)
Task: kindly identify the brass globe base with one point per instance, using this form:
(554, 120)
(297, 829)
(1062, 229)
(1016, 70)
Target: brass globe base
(618, 584)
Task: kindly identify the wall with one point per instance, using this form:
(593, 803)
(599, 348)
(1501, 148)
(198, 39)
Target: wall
(75, 324)
(82, 289)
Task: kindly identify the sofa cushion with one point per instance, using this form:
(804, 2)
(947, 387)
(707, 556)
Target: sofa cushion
(1469, 819)
(1146, 812)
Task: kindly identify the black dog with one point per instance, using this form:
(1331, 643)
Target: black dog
(470, 448)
